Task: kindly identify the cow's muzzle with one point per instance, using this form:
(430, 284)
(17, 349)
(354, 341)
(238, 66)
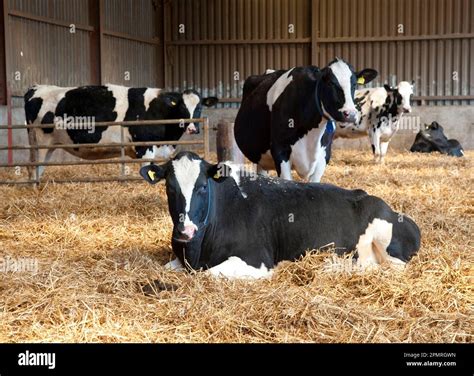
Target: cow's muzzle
(350, 116)
(192, 129)
(186, 233)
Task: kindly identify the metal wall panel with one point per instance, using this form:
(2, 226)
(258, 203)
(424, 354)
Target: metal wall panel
(130, 63)
(74, 11)
(54, 56)
(225, 41)
(429, 41)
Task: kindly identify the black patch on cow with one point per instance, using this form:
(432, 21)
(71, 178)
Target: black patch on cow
(32, 107)
(373, 149)
(136, 104)
(95, 102)
(48, 118)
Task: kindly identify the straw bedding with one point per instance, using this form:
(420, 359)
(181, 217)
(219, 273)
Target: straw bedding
(99, 248)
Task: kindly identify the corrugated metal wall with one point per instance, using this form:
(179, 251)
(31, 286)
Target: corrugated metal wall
(429, 41)
(138, 59)
(224, 41)
(44, 53)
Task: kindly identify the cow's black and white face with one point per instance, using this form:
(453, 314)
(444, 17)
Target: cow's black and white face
(188, 179)
(338, 86)
(191, 107)
(405, 92)
(186, 105)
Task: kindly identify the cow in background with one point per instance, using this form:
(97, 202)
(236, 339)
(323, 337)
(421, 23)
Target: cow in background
(75, 110)
(287, 118)
(380, 111)
(432, 139)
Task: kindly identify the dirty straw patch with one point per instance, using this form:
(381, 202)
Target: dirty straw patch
(98, 246)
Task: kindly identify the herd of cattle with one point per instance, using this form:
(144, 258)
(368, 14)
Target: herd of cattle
(226, 221)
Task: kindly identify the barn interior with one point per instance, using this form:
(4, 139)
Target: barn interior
(98, 248)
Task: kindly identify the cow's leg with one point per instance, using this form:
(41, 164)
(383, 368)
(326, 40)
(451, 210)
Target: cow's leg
(235, 268)
(38, 137)
(281, 157)
(383, 150)
(375, 142)
(319, 169)
(174, 265)
(373, 244)
(33, 153)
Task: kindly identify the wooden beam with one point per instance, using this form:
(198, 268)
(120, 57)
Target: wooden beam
(3, 55)
(237, 41)
(396, 38)
(49, 21)
(314, 31)
(95, 42)
(117, 34)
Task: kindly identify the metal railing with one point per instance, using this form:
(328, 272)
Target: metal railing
(122, 145)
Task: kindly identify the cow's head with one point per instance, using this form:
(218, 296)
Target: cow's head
(337, 89)
(402, 95)
(189, 181)
(186, 105)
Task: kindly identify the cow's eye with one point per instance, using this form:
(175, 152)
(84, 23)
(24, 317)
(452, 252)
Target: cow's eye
(202, 188)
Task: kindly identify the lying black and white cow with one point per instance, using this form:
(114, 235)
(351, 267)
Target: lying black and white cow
(286, 118)
(380, 110)
(74, 111)
(432, 139)
(241, 225)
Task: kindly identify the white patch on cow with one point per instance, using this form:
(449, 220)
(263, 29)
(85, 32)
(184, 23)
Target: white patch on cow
(405, 89)
(268, 71)
(158, 152)
(343, 74)
(191, 101)
(236, 268)
(174, 265)
(306, 153)
(373, 244)
(278, 87)
(187, 171)
(120, 94)
(149, 95)
(285, 170)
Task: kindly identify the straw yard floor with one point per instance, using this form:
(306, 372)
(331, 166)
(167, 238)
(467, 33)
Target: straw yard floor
(97, 245)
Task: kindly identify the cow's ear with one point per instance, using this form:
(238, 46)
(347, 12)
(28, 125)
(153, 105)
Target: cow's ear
(388, 88)
(366, 75)
(153, 173)
(218, 172)
(209, 101)
(169, 100)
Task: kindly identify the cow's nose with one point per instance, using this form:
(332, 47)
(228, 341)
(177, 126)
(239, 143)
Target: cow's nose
(406, 110)
(192, 129)
(350, 115)
(189, 231)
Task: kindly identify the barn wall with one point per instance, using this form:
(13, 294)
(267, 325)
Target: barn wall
(224, 41)
(429, 41)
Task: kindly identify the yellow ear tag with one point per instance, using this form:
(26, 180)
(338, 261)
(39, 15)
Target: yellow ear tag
(173, 103)
(152, 175)
(217, 175)
(361, 80)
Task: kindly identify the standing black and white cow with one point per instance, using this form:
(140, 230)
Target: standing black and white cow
(380, 111)
(241, 225)
(432, 139)
(74, 111)
(286, 119)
